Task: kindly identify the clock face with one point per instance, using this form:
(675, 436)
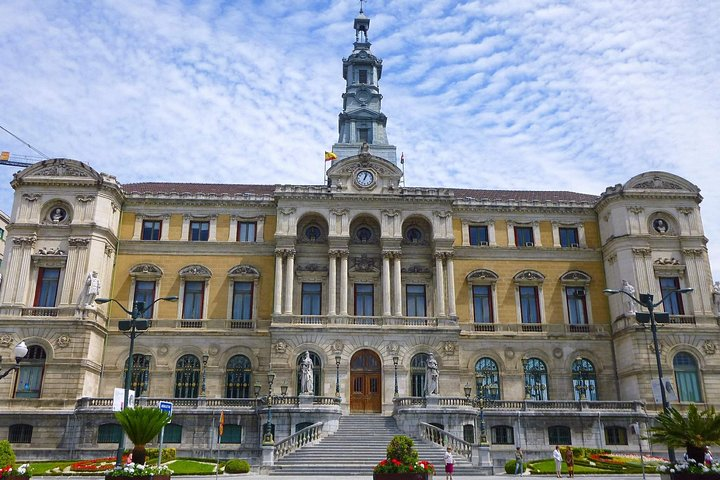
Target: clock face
(364, 178)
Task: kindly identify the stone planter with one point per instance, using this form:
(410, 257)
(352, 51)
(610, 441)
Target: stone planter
(402, 476)
(16, 477)
(689, 476)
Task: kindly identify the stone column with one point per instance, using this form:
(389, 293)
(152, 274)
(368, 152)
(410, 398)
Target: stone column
(18, 272)
(450, 285)
(277, 309)
(75, 273)
(397, 285)
(289, 279)
(439, 286)
(386, 284)
(332, 283)
(344, 282)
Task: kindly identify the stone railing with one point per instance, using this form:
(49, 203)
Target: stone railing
(679, 322)
(190, 403)
(522, 405)
(295, 400)
(535, 328)
(445, 439)
(199, 324)
(298, 439)
(363, 322)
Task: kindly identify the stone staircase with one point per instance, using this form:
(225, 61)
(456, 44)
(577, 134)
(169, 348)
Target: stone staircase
(358, 445)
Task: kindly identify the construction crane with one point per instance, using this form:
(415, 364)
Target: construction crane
(22, 160)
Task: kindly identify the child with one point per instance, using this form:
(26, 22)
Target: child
(449, 464)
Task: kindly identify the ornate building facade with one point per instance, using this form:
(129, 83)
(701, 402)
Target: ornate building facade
(370, 277)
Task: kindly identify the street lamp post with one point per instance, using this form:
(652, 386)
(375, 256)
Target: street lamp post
(537, 387)
(205, 358)
(268, 437)
(482, 390)
(396, 360)
(337, 376)
(19, 352)
(134, 325)
(581, 387)
(646, 300)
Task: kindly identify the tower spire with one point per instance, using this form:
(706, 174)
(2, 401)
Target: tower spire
(362, 121)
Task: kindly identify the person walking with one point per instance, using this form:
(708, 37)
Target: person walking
(570, 461)
(449, 464)
(708, 460)
(519, 457)
(557, 456)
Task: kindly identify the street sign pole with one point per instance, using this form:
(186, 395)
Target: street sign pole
(165, 407)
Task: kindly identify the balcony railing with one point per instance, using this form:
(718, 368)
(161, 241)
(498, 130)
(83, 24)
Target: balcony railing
(522, 405)
(199, 324)
(546, 328)
(362, 321)
(200, 402)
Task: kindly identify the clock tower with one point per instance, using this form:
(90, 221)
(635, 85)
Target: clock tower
(361, 120)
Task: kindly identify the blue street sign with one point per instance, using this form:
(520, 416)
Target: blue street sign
(166, 407)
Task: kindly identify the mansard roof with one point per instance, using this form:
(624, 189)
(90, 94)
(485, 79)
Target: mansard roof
(524, 195)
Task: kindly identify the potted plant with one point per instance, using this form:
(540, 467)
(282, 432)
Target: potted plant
(695, 433)
(21, 472)
(141, 425)
(402, 462)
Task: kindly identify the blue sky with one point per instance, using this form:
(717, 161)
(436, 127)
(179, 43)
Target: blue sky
(505, 94)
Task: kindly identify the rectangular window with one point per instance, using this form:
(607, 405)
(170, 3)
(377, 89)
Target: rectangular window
(173, 433)
(364, 299)
(363, 135)
(145, 293)
(577, 308)
(524, 237)
(2, 233)
(242, 301)
(559, 435)
(482, 304)
(29, 381)
(568, 237)
(246, 231)
(479, 235)
(529, 305)
(311, 298)
(20, 433)
(615, 436)
(673, 303)
(415, 300)
(363, 76)
(109, 433)
(199, 231)
(151, 229)
(231, 434)
(193, 299)
(47, 287)
(503, 435)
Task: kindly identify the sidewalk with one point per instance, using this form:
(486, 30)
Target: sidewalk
(440, 476)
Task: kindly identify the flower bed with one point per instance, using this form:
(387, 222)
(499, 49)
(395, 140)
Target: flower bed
(136, 472)
(16, 473)
(95, 465)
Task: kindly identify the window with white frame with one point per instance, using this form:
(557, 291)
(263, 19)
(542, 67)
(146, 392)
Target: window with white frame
(145, 279)
(576, 307)
(523, 234)
(46, 290)
(528, 292)
(243, 292)
(193, 291)
(482, 293)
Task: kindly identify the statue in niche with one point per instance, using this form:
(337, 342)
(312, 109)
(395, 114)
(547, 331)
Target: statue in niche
(91, 290)
(716, 297)
(432, 376)
(58, 215)
(306, 375)
(629, 302)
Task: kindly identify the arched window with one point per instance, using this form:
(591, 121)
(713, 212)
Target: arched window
(487, 379)
(140, 373)
(584, 380)
(30, 375)
(238, 377)
(187, 377)
(418, 365)
(536, 379)
(686, 378)
(317, 371)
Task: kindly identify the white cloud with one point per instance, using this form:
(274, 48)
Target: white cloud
(538, 94)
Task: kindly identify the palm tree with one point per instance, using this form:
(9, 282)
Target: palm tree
(694, 432)
(141, 425)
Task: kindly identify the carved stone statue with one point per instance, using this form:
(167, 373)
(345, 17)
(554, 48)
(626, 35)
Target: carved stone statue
(629, 302)
(91, 290)
(432, 376)
(306, 375)
(716, 297)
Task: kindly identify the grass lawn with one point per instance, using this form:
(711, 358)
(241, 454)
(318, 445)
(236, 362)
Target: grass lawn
(548, 467)
(191, 467)
(43, 468)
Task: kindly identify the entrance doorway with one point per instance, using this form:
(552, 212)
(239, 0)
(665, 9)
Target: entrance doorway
(365, 382)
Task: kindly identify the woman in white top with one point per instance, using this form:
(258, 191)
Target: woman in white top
(557, 456)
(449, 464)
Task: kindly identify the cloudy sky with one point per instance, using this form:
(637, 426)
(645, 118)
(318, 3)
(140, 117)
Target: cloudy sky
(512, 94)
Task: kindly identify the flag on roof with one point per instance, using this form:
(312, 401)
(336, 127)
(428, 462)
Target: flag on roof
(330, 156)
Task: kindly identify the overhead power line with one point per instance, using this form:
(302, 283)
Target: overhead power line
(25, 143)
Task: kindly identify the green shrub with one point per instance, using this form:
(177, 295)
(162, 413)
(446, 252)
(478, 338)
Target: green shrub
(7, 456)
(510, 467)
(237, 466)
(167, 454)
(402, 449)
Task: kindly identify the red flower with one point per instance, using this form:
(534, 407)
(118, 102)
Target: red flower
(396, 461)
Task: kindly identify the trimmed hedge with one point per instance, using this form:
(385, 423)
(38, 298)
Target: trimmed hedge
(7, 455)
(237, 466)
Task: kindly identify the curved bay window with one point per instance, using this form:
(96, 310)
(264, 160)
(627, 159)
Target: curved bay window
(238, 377)
(139, 378)
(687, 378)
(536, 379)
(418, 365)
(487, 379)
(317, 372)
(30, 375)
(584, 379)
(187, 377)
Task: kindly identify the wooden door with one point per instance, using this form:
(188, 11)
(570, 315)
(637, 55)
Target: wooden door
(365, 382)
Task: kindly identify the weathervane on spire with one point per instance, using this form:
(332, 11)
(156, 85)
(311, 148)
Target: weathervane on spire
(361, 5)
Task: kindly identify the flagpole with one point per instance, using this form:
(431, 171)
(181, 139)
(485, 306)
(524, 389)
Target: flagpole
(221, 426)
(402, 162)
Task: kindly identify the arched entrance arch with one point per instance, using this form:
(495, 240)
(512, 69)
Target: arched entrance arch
(365, 382)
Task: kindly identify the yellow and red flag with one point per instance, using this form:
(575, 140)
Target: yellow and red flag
(330, 156)
(221, 426)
